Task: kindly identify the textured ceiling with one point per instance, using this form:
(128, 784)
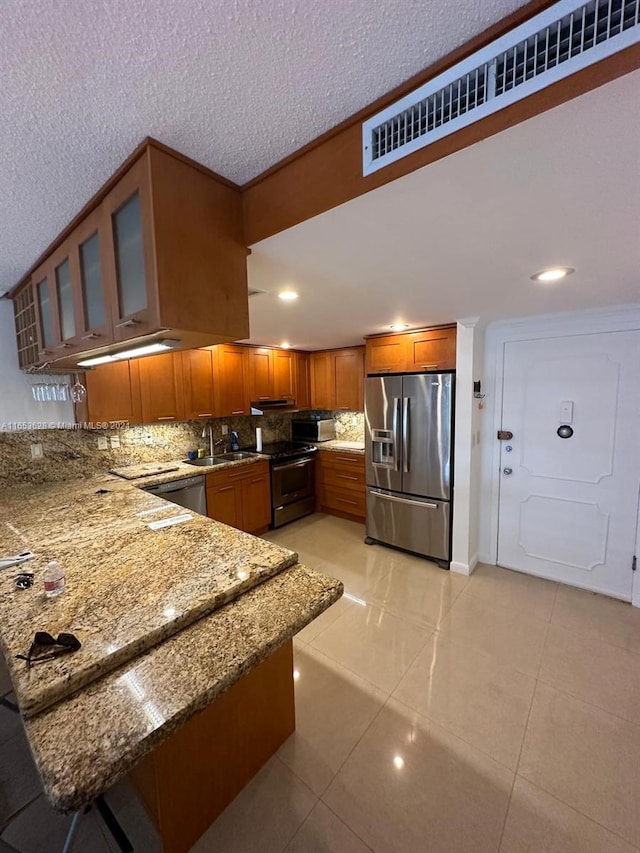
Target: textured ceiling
(461, 237)
(235, 84)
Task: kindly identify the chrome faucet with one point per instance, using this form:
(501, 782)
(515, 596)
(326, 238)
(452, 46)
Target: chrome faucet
(204, 432)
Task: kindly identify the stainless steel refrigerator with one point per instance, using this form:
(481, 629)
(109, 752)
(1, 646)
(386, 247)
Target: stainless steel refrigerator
(408, 447)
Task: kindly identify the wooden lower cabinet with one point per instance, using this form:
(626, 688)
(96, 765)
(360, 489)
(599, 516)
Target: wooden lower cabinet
(241, 497)
(187, 781)
(341, 488)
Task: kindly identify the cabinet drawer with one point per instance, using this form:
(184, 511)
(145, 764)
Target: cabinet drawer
(335, 497)
(345, 478)
(341, 461)
(242, 472)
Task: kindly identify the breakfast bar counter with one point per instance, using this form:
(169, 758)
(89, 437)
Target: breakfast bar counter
(184, 677)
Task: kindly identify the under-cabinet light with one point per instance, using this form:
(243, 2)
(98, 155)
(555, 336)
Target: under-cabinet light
(135, 352)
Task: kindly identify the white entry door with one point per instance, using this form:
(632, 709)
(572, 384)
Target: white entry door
(569, 477)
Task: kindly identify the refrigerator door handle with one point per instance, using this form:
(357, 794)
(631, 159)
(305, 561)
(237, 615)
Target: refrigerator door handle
(397, 500)
(396, 440)
(405, 434)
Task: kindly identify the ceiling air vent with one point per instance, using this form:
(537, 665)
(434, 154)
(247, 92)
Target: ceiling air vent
(554, 44)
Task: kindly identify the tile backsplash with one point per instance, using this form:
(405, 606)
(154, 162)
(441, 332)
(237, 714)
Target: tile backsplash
(68, 454)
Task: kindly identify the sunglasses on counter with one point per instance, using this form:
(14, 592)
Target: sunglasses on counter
(46, 647)
(24, 580)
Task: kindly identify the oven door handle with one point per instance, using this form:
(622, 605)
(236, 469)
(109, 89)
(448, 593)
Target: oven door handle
(278, 466)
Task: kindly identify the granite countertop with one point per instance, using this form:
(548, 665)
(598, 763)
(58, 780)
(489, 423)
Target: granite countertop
(337, 445)
(180, 469)
(84, 743)
(128, 586)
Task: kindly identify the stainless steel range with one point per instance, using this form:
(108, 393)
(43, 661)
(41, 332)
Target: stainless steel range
(293, 480)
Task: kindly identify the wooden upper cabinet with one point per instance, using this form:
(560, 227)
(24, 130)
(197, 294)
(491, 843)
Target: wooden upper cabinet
(284, 374)
(232, 386)
(198, 369)
(261, 373)
(161, 388)
(303, 380)
(320, 365)
(113, 393)
(130, 256)
(158, 253)
(412, 352)
(431, 349)
(386, 354)
(349, 379)
(337, 379)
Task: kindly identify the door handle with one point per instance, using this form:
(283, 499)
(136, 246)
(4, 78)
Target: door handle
(396, 500)
(507, 471)
(396, 440)
(405, 434)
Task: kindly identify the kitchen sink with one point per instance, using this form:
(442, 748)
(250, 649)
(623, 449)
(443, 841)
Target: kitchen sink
(235, 456)
(207, 460)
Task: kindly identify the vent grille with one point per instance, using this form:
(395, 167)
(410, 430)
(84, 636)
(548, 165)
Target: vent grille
(550, 46)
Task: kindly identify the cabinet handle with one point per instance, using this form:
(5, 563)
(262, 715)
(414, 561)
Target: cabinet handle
(345, 459)
(345, 501)
(346, 477)
(240, 412)
(225, 488)
(430, 366)
(91, 336)
(63, 346)
(127, 324)
(259, 480)
(264, 398)
(206, 415)
(166, 417)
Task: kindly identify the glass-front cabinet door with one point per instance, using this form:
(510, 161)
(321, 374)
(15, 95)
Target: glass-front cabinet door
(91, 248)
(132, 272)
(44, 309)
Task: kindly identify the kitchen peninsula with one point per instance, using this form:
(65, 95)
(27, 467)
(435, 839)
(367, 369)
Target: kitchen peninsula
(171, 617)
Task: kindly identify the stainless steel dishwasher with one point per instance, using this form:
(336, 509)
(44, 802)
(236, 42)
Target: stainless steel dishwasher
(188, 492)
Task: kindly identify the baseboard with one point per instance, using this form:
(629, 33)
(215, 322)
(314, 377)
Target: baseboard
(464, 568)
(487, 558)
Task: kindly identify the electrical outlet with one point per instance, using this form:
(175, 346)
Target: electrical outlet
(225, 429)
(115, 442)
(36, 451)
(103, 443)
(354, 420)
(148, 439)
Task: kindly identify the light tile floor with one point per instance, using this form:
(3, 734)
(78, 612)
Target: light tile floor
(499, 713)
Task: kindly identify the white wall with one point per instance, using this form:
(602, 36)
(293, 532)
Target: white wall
(17, 405)
(463, 558)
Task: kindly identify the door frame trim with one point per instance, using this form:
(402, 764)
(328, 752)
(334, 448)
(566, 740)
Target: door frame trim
(617, 318)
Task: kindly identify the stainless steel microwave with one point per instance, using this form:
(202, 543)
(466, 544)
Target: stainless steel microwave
(311, 430)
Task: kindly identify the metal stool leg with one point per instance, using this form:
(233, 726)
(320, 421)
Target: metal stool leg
(68, 842)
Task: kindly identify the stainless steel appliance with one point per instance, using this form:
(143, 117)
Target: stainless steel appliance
(408, 448)
(293, 480)
(309, 429)
(188, 492)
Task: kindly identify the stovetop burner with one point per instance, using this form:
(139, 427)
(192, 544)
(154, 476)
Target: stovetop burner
(286, 449)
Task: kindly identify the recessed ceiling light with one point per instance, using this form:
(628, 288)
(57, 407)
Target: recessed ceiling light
(284, 345)
(552, 274)
(398, 327)
(288, 295)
